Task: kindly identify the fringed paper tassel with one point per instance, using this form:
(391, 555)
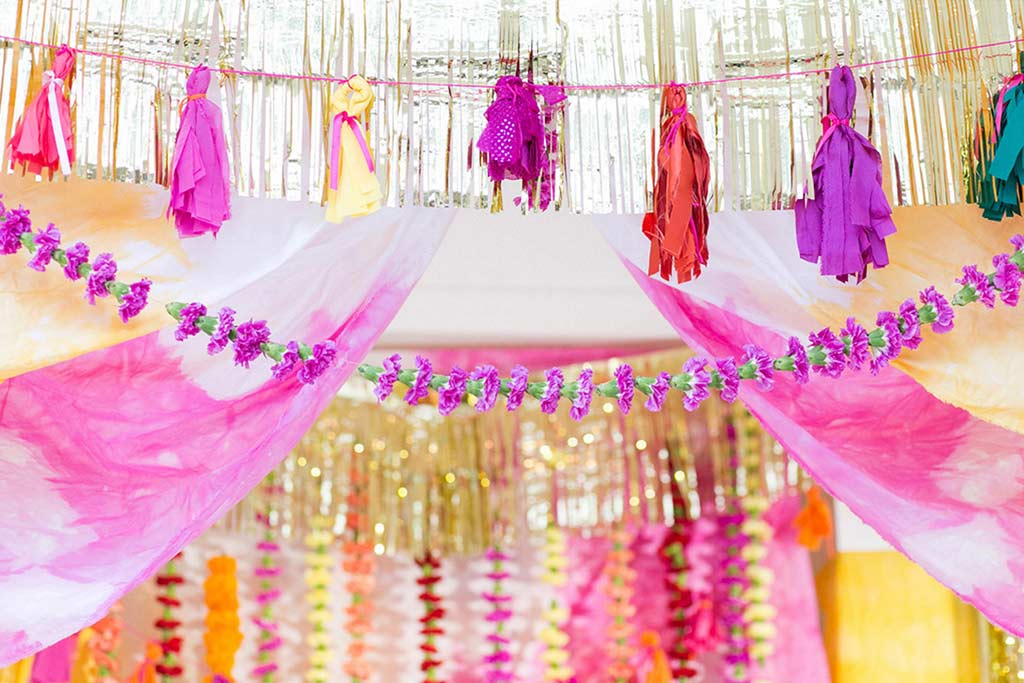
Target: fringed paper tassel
(223, 634)
(169, 667)
(318, 580)
(267, 573)
(353, 186)
(673, 551)
(501, 602)
(43, 139)
(553, 635)
(1004, 171)
(433, 613)
(814, 522)
(200, 174)
(844, 227)
(359, 566)
(541, 191)
(678, 226)
(105, 640)
(620, 578)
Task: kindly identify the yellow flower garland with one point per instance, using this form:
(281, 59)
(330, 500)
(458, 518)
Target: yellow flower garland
(318, 579)
(556, 656)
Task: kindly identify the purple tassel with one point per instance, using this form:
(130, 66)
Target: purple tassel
(845, 225)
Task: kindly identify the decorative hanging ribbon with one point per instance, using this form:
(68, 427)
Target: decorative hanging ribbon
(678, 226)
(357, 131)
(200, 175)
(43, 140)
(844, 227)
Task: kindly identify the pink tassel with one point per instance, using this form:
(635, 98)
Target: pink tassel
(43, 139)
(200, 175)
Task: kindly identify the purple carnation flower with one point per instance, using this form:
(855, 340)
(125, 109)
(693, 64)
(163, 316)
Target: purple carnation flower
(584, 395)
(978, 281)
(450, 395)
(386, 380)
(892, 338)
(553, 391)
(801, 366)
(491, 388)
(16, 223)
(911, 338)
(659, 392)
(248, 339)
(1018, 242)
(698, 382)
(46, 241)
(104, 270)
(221, 336)
(289, 360)
(860, 351)
(135, 300)
(76, 256)
(1007, 279)
(421, 385)
(943, 311)
(764, 370)
(517, 387)
(321, 359)
(834, 350)
(624, 378)
(730, 378)
(187, 321)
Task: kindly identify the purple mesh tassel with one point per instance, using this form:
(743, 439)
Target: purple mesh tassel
(514, 138)
(844, 227)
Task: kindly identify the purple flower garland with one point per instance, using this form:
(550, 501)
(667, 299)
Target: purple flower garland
(44, 246)
(251, 339)
(827, 353)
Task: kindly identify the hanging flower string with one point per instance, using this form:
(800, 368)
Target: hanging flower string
(267, 573)
(553, 635)
(103, 645)
(673, 552)
(358, 565)
(828, 353)
(759, 615)
(250, 340)
(500, 658)
(733, 579)
(318, 580)
(223, 634)
(433, 613)
(45, 247)
(167, 581)
(619, 590)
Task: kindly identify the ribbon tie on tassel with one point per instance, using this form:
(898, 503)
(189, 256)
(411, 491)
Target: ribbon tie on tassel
(829, 124)
(680, 114)
(53, 86)
(190, 98)
(357, 130)
(1009, 83)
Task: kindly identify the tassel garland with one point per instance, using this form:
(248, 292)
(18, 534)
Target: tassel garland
(844, 227)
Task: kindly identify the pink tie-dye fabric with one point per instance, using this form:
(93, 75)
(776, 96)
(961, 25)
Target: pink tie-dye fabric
(114, 460)
(942, 486)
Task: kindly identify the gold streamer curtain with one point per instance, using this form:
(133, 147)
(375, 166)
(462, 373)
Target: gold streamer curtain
(761, 134)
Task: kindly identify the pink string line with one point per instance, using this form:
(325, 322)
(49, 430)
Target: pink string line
(488, 86)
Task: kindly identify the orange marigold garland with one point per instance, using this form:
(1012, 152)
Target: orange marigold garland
(105, 641)
(430, 568)
(359, 565)
(223, 635)
(168, 581)
(619, 589)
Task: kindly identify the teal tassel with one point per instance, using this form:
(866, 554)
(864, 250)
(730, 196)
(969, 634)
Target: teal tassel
(1001, 167)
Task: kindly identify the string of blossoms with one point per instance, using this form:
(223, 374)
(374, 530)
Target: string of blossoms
(45, 247)
(733, 579)
(828, 354)
(250, 340)
(169, 667)
(501, 611)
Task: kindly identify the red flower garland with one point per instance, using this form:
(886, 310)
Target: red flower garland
(430, 566)
(169, 579)
(681, 655)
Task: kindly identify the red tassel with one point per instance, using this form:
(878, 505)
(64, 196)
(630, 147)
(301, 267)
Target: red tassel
(43, 139)
(678, 226)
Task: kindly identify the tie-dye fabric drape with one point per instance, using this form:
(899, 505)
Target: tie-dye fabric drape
(929, 452)
(123, 444)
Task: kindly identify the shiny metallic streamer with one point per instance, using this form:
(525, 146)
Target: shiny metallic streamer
(761, 134)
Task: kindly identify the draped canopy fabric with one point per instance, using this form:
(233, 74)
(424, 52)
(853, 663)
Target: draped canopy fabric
(929, 452)
(114, 459)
